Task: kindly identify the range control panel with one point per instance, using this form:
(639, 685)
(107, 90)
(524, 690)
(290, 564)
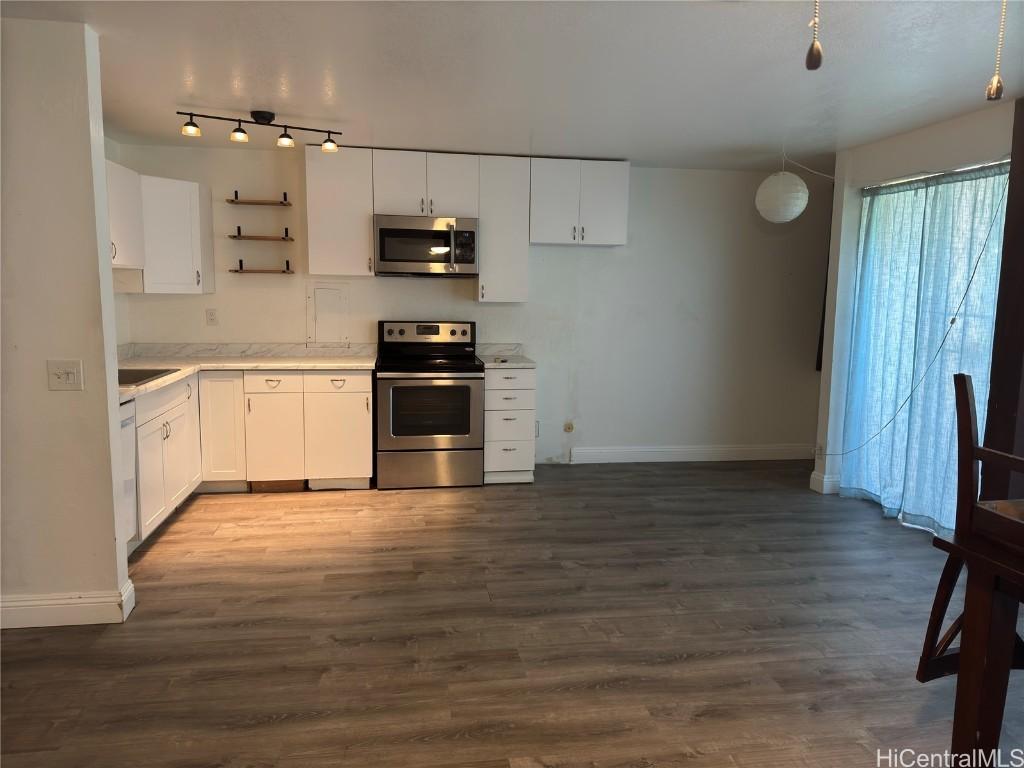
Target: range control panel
(429, 333)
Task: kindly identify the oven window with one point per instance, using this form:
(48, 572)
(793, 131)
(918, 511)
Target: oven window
(416, 245)
(418, 411)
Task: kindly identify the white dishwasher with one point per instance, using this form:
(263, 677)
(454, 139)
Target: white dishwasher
(126, 503)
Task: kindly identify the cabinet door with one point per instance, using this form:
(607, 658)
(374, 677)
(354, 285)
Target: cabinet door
(150, 456)
(170, 215)
(124, 205)
(604, 202)
(453, 185)
(399, 182)
(274, 445)
(195, 453)
(554, 201)
(339, 211)
(178, 455)
(505, 228)
(339, 436)
(222, 424)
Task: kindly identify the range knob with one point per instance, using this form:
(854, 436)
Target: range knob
(391, 331)
(453, 332)
(401, 331)
(465, 332)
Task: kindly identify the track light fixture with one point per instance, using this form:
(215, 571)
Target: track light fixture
(259, 117)
(190, 128)
(285, 139)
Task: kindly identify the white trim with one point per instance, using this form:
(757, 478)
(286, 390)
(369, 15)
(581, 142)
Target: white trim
(825, 484)
(638, 453)
(508, 476)
(67, 608)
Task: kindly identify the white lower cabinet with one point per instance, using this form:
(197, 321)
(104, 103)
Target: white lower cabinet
(339, 436)
(222, 425)
(274, 439)
(510, 419)
(169, 458)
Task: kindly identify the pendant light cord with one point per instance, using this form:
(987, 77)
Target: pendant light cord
(787, 159)
(945, 336)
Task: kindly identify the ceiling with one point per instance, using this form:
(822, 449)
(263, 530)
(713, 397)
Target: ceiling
(687, 84)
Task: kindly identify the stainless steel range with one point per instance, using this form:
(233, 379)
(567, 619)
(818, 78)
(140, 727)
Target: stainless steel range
(430, 405)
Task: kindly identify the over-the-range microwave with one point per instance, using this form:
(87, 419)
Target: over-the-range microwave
(425, 245)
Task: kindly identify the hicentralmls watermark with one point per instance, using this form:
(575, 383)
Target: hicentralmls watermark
(981, 758)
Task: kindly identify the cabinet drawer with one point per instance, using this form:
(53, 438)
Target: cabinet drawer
(152, 404)
(336, 381)
(509, 425)
(508, 455)
(511, 378)
(510, 400)
(256, 382)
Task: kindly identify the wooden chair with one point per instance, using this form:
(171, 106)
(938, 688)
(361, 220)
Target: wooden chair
(989, 541)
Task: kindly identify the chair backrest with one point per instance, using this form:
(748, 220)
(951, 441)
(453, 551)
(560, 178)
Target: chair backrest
(967, 464)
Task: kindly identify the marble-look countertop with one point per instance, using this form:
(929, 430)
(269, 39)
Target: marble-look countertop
(187, 366)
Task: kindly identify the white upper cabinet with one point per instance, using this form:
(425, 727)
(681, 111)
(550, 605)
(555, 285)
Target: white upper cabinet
(399, 182)
(453, 185)
(604, 202)
(504, 235)
(579, 202)
(554, 201)
(124, 204)
(178, 236)
(339, 211)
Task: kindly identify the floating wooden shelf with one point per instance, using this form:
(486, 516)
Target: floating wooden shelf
(236, 200)
(243, 271)
(280, 238)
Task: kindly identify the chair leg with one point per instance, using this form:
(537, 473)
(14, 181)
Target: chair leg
(998, 661)
(926, 668)
(974, 646)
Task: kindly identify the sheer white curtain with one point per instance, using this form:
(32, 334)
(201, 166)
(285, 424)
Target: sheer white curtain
(920, 242)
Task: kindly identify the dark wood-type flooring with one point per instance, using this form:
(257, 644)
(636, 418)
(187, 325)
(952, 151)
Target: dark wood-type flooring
(632, 615)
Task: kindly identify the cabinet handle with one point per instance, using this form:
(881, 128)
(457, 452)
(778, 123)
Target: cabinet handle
(248, 404)
(113, 251)
(197, 277)
(509, 450)
(510, 378)
(421, 205)
(583, 233)
(335, 383)
(574, 232)
(273, 383)
(367, 403)
(508, 418)
(510, 398)
(483, 292)
(369, 264)
(163, 431)
(431, 205)
(168, 429)
(188, 390)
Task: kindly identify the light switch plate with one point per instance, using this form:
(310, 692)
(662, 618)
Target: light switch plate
(64, 375)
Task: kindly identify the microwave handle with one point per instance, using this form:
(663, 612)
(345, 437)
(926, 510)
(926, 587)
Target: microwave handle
(451, 247)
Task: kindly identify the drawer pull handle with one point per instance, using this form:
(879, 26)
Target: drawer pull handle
(508, 418)
(510, 378)
(339, 383)
(510, 398)
(273, 383)
(509, 450)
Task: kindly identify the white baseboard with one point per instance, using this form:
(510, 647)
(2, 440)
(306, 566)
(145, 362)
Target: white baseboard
(63, 609)
(626, 454)
(524, 476)
(825, 484)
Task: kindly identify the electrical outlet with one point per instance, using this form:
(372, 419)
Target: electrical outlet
(211, 316)
(64, 375)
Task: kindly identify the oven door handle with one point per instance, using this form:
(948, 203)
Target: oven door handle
(435, 375)
(451, 245)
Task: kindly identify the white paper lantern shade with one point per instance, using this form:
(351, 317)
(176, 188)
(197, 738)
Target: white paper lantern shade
(781, 197)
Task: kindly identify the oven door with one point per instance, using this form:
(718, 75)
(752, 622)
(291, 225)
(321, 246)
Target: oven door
(424, 245)
(430, 411)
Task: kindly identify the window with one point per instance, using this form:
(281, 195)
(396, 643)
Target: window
(921, 244)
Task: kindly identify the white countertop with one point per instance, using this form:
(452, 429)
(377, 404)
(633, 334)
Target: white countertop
(507, 361)
(187, 366)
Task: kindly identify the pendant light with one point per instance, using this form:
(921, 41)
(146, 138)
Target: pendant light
(239, 135)
(994, 89)
(781, 197)
(285, 139)
(329, 144)
(190, 128)
(814, 53)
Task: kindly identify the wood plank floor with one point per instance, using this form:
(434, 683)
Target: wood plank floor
(640, 615)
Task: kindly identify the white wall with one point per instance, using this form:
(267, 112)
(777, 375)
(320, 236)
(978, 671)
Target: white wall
(977, 137)
(701, 332)
(60, 563)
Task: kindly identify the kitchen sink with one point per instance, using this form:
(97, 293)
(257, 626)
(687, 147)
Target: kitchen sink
(130, 377)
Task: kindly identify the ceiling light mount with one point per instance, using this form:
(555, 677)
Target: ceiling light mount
(260, 117)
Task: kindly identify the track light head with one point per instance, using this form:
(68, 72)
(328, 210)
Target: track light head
(239, 135)
(329, 144)
(285, 139)
(190, 128)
